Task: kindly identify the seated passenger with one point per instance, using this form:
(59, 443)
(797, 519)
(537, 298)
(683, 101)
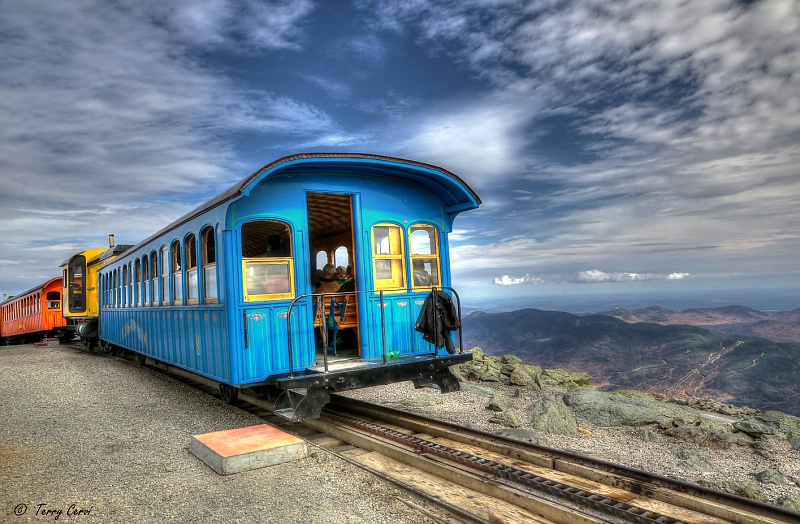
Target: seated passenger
(340, 275)
(327, 282)
(421, 276)
(276, 247)
(349, 286)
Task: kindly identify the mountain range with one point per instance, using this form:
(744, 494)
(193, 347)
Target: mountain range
(779, 326)
(649, 351)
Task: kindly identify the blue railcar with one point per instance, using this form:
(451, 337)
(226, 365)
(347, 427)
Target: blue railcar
(229, 291)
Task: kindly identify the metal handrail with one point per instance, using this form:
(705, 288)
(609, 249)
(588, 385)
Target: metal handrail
(321, 304)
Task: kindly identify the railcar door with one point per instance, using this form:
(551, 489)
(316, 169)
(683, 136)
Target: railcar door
(333, 265)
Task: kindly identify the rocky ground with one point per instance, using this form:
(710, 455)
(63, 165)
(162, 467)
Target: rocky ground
(734, 449)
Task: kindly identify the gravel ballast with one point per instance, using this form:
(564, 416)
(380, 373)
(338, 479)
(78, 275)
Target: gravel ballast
(102, 440)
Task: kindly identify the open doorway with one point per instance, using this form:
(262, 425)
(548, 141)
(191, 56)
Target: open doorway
(330, 235)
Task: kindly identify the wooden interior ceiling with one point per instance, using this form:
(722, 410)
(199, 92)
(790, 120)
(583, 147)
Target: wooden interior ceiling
(328, 216)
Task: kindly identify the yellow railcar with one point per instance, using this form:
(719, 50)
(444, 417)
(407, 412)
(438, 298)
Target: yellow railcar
(80, 304)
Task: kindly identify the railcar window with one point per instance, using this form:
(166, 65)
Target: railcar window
(267, 265)
(341, 257)
(191, 270)
(77, 292)
(131, 289)
(322, 259)
(125, 300)
(154, 278)
(164, 276)
(209, 251)
(138, 281)
(177, 274)
(145, 281)
(424, 241)
(388, 257)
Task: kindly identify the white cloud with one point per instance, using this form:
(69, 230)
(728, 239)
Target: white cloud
(592, 276)
(259, 24)
(506, 280)
(482, 140)
(677, 276)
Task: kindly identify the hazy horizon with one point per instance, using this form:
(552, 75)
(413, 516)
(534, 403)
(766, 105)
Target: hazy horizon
(767, 299)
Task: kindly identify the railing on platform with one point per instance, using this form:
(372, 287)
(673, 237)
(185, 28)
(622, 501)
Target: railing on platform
(320, 309)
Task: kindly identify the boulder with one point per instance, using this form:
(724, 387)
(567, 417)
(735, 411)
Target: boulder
(649, 435)
(499, 402)
(551, 415)
(707, 435)
(693, 460)
(507, 419)
(511, 360)
(790, 503)
(788, 426)
(520, 377)
(749, 490)
(771, 476)
(756, 427)
(608, 409)
(559, 377)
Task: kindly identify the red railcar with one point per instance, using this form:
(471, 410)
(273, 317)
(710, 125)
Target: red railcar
(33, 315)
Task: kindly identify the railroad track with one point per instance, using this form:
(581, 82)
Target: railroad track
(481, 477)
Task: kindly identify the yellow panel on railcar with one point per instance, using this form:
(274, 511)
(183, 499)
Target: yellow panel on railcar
(79, 284)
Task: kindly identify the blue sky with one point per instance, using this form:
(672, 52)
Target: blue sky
(621, 147)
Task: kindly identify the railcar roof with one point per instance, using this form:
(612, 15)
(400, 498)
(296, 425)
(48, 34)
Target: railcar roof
(455, 193)
(31, 290)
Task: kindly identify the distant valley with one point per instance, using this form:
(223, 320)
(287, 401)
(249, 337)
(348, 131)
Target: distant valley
(658, 350)
(778, 326)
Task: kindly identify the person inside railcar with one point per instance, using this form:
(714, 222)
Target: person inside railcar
(340, 275)
(327, 279)
(421, 275)
(349, 284)
(277, 246)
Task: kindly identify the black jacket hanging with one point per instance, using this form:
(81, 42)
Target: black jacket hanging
(437, 319)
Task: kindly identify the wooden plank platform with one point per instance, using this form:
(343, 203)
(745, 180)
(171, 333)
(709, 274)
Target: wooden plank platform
(244, 449)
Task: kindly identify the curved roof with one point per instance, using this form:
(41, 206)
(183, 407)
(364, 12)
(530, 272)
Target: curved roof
(455, 193)
(31, 290)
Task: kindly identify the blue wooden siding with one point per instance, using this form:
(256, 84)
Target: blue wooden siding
(400, 315)
(266, 351)
(194, 338)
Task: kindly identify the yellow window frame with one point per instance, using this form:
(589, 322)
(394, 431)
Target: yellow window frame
(392, 261)
(419, 258)
(249, 278)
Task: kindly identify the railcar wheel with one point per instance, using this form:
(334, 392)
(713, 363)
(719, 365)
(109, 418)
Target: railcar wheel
(228, 393)
(141, 359)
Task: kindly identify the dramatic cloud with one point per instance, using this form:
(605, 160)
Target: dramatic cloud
(626, 134)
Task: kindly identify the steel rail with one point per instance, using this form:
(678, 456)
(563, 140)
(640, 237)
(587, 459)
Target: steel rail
(597, 501)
